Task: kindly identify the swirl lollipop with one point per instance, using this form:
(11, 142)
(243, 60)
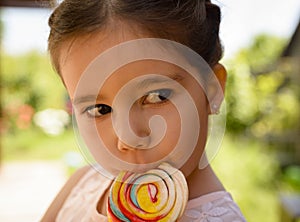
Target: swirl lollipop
(159, 194)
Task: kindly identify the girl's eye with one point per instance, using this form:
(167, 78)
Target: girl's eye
(157, 96)
(98, 110)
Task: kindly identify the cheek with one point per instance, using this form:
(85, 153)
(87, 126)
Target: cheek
(199, 99)
(107, 134)
(193, 162)
(172, 119)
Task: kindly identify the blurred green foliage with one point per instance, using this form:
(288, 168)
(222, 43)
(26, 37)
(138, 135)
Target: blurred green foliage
(250, 174)
(263, 99)
(260, 100)
(30, 79)
(34, 144)
(28, 84)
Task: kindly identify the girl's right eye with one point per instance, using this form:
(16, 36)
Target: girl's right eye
(98, 110)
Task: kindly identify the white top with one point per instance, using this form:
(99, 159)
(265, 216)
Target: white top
(81, 204)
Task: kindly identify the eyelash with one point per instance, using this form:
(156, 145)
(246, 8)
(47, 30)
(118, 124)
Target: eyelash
(162, 94)
(96, 108)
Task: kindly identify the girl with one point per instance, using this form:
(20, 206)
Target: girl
(125, 64)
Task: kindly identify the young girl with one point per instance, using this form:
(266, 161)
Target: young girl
(141, 98)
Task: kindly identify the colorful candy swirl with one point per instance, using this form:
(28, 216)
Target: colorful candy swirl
(158, 195)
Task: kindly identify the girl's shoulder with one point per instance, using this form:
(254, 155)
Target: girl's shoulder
(216, 206)
(59, 200)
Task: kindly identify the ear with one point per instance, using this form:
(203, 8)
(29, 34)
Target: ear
(221, 75)
(216, 93)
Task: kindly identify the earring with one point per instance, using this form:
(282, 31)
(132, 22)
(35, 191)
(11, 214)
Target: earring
(215, 109)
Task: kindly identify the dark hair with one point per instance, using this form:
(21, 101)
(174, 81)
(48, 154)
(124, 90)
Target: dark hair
(194, 23)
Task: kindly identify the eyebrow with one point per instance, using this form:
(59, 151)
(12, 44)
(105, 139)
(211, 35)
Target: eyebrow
(141, 85)
(153, 80)
(84, 99)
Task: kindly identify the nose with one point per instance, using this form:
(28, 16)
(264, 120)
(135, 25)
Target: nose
(138, 121)
(139, 126)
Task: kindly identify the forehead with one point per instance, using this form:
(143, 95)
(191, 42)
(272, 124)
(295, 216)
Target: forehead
(77, 54)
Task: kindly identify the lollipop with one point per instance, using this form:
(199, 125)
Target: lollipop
(159, 194)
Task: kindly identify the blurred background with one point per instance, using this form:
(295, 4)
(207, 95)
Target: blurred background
(259, 162)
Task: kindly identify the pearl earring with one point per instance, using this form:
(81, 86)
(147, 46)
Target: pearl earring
(215, 109)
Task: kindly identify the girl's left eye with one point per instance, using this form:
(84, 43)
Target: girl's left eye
(98, 110)
(157, 96)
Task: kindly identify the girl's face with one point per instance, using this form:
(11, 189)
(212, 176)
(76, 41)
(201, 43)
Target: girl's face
(152, 97)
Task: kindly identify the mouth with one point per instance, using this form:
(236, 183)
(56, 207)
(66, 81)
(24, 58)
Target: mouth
(142, 168)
